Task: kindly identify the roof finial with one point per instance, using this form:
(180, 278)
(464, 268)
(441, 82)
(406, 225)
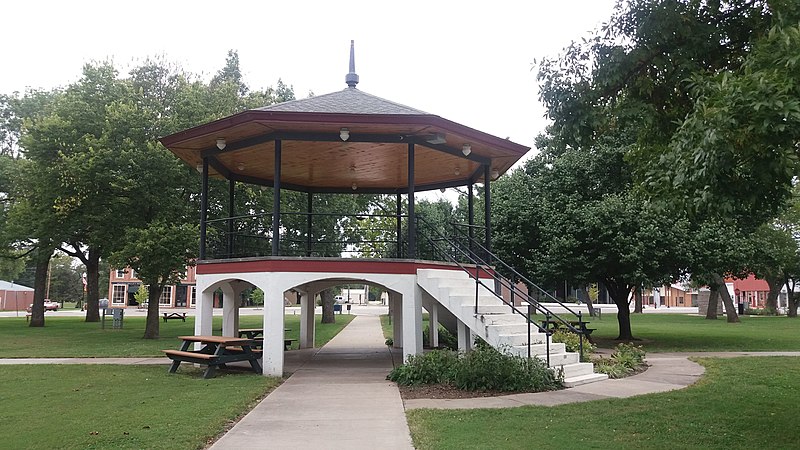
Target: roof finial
(352, 79)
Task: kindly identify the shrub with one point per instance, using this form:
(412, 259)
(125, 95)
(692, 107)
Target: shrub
(484, 368)
(626, 359)
(572, 342)
(446, 339)
(428, 368)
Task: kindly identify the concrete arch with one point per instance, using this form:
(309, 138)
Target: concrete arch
(404, 294)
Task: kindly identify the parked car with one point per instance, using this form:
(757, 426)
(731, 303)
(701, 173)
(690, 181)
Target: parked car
(49, 305)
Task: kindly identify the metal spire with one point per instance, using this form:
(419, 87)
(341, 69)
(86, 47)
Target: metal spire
(352, 79)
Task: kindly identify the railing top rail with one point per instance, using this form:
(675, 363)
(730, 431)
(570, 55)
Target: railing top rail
(518, 275)
(478, 262)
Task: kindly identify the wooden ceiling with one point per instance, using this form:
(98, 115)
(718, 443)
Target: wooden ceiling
(373, 159)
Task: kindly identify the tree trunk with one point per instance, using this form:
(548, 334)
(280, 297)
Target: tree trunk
(713, 298)
(771, 305)
(730, 308)
(589, 304)
(92, 264)
(793, 302)
(637, 299)
(327, 306)
(152, 324)
(40, 286)
(619, 294)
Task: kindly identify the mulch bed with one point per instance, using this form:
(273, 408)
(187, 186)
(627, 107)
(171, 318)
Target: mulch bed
(444, 391)
(447, 391)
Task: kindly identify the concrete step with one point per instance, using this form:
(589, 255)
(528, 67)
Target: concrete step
(576, 369)
(521, 338)
(540, 351)
(584, 379)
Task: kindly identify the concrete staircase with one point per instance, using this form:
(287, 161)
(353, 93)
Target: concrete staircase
(499, 325)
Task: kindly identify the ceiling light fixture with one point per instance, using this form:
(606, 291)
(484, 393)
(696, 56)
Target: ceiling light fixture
(199, 168)
(354, 186)
(495, 174)
(344, 133)
(240, 166)
(221, 143)
(466, 149)
(456, 171)
(436, 138)
(442, 190)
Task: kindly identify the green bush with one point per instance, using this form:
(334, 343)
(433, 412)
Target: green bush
(446, 339)
(487, 369)
(484, 368)
(626, 359)
(572, 342)
(428, 368)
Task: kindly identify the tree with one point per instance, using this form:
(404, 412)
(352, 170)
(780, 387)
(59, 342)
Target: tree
(159, 254)
(571, 214)
(632, 85)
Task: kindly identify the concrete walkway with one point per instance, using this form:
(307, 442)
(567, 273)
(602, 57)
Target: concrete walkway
(338, 399)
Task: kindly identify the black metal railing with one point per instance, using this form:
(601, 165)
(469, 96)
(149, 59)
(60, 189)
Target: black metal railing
(308, 234)
(474, 258)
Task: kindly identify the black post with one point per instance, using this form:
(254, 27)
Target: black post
(276, 201)
(399, 225)
(487, 210)
(204, 209)
(471, 218)
(309, 221)
(231, 213)
(412, 225)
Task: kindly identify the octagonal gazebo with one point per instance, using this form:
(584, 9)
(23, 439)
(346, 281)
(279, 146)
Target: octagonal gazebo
(344, 142)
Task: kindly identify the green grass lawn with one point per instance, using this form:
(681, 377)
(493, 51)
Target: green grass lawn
(72, 337)
(686, 333)
(740, 403)
(109, 406)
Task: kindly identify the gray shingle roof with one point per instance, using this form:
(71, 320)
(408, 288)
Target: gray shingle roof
(6, 286)
(348, 101)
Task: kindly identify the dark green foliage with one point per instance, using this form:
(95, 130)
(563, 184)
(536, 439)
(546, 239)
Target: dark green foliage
(446, 339)
(572, 342)
(433, 367)
(483, 369)
(626, 360)
(489, 369)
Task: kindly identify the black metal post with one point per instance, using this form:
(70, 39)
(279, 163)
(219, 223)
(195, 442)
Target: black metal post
(487, 210)
(529, 330)
(580, 329)
(399, 225)
(231, 214)
(471, 218)
(276, 201)
(477, 285)
(309, 221)
(547, 336)
(204, 209)
(412, 225)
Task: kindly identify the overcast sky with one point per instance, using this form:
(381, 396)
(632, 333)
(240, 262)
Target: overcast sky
(466, 61)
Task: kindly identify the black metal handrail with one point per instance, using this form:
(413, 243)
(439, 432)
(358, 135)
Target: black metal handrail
(480, 263)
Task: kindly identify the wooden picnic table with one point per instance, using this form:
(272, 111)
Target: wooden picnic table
(216, 352)
(253, 333)
(557, 324)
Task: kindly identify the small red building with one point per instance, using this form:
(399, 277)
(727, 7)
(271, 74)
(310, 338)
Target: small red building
(751, 291)
(14, 297)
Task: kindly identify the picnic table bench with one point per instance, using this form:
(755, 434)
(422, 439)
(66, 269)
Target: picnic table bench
(253, 333)
(170, 316)
(216, 352)
(557, 324)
